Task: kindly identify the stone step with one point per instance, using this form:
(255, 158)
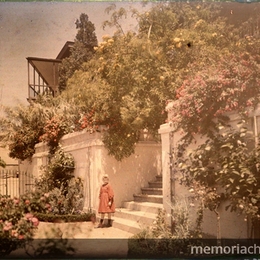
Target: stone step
(155, 184)
(148, 198)
(159, 178)
(142, 212)
(152, 191)
(127, 225)
(141, 217)
(143, 206)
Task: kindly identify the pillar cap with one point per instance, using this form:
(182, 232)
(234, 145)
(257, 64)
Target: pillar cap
(167, 128)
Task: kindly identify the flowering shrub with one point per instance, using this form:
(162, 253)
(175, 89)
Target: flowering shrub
(66, 199)
(225, 167)
(37, 201)
(88, 122)
(54, 129)
(17, 224)
(205, 98)
(57, 172)
(74, 198)
(63, 193)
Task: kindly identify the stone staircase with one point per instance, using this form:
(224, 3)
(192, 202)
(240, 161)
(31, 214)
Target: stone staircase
(142, 211)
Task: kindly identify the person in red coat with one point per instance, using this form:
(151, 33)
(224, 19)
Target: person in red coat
(106, 202)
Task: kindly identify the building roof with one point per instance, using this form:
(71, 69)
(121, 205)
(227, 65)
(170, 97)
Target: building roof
(65, 51)
(48, 68)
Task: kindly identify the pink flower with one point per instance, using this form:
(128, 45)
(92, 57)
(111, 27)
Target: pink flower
(42, 198)
(8, 226)
(29, 216)
(21, 236)
(14, 233)
(35, 221)
(16, 201)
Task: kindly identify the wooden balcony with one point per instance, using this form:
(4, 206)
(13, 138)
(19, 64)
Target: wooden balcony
(43, 77)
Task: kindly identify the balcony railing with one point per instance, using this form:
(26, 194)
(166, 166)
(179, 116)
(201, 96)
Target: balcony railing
(35, 90)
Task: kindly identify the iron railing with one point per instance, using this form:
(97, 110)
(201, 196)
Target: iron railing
(14, 182)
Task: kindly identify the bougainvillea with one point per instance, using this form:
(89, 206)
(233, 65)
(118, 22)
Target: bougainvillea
(226, 164)
(206, 96)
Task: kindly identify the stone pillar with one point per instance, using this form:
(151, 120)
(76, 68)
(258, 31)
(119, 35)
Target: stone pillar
(166, 132)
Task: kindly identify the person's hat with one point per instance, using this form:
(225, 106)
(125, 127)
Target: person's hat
(105, 176)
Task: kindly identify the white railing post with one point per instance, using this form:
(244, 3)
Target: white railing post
(167, 134)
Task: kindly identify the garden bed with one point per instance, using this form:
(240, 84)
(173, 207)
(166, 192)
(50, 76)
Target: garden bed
(65, 217)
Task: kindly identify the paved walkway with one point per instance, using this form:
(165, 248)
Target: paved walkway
(89, 241)
(80, 230)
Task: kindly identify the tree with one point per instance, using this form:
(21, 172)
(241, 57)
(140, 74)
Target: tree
(82, 50)
(20, 130)
(133, 74)
(47, 119)
(225, 167)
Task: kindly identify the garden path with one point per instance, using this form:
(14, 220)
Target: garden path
(89, 241)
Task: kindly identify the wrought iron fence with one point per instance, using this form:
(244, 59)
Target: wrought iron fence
(14, 182)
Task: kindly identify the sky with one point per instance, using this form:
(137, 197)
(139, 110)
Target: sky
(40, 29)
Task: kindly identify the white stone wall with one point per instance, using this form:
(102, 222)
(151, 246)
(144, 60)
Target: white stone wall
(92, 161)
(232, 225)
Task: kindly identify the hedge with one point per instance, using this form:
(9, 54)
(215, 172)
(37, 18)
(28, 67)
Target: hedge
(64, 218)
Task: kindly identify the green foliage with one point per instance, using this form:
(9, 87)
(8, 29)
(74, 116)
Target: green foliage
(120, 141)
(183, 52)
(223, 80)
(62, 118)
(63, 191)
(74, 199)
(58, 171)
(67, 200)
(133, 74)
(181, 228)
(47, 119)
(160, 229)
(54, 129)
(204, 100)
(225, 168)
(21, 128)
(37, 201)
(161, 240)
(64, 217)
(17, 224)
(86, 32)
(82, 51)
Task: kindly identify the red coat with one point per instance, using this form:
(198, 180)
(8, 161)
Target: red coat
(106, 194)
